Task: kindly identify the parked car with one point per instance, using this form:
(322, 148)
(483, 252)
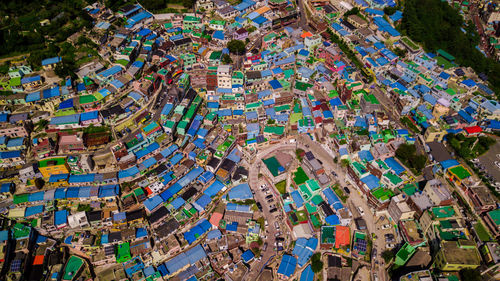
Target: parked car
(259, 206)
(270, 200)
(273, 210)
(347, 190)
(389, 237)
(269, 196)
(264, 247)
(361, 212)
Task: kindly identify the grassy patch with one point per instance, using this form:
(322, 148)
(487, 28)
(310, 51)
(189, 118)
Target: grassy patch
(281, 186)
(409, 43)
(481, 232)
(300, 176)
(407, 122)
(298, 154)
(340, 193)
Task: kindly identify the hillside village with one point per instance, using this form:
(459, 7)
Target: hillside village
(259, 140)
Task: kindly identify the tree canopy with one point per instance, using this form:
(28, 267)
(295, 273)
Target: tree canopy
(469, 147)
(21, 30)
(438, 26)
(236, 47)
(407, 153)
(226, 59)
(470, 274)
(316, 263)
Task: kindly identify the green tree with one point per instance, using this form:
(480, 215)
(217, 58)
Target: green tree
(353, 11)
(251, 29)
(236, 47)
(226, 59)
(390, 10)
(405, 151)
(400, 52)
(437, 25)
(387, 255)
(470, 274)
(4, 68)
(316, 263)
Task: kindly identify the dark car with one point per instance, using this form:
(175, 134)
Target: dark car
(269, 196)
(270, 200)
(280, 239)
(347, 190)
(259, 206)
(273, 210)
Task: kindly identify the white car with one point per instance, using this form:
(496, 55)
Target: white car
(389, 246)
(385, 226)
(361, 212)
(498, 156)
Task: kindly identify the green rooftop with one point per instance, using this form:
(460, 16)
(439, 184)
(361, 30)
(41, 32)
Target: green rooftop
(393, 178)
(313, 185)
(21, 231)
(382, 194)
(409, 189)
(443, 212)
(277, 130)
(305, 192)
(310, 208)
(123, 252)
(273, 166)
(495, 216)
(445, 55)
(53, 162)
(404, 254)
(328, 235)
(72, 267)
(300, 176)
(215, 55)
(87, 99)
(460, 172)
(20, 198)
(317, 199)
(371, 98)
(302, 86)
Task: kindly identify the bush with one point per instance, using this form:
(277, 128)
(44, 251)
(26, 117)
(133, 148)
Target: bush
(407, 153)
(469, 147)
(281, 187)
(316, 263)
(236, 47)
(387, 255)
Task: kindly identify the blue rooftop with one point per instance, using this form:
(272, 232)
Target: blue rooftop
(51, 61)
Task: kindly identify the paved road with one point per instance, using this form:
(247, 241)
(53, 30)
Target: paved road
(488, 160)
(355, 199)
(259, 196)
(302, 15)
